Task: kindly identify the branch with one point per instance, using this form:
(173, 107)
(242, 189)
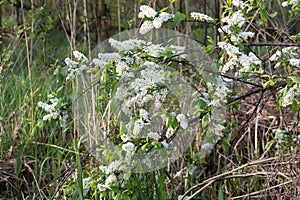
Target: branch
(271, 44)
(221, 176)
(242, 96)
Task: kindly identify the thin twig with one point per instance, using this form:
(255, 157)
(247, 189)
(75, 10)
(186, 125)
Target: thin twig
(271, 44)
(264, 190)
(214, 178)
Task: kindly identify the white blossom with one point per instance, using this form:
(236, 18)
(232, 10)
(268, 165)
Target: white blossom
(164, 16)
(112, 167)
(108, 57)
(138, 126)
(201, 17)
(275, 56)
(128, 147)
(169, 132)
(218, 128)
(126, 45)
(121, 93)
(153, 135)
(125, 137)
(254, 60)
(144, 114)
(290, 95)
(146, 27)
(229, 65)
(157, 22)
(294, 62)
(239, 3)
(110, 179)
(246, 35)
(165, 144)
(287, 3)
(207, 147)
(99, 63)
(79, 56)
(225, 28)
(121, 67)
(160, 97)
(181, 118)
(53, 111)
(154, 49)
(179, 50)
(237, 18)
(230, 49)
(290, 50)
(219, 92)
(146, 11)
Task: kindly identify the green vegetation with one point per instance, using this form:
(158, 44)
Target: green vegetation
(257, 155)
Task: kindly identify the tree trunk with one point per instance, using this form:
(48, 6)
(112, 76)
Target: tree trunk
(102, 17)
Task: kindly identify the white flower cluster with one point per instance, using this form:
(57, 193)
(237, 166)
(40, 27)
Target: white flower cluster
(240, 36)
(111, 168)
(108, 57)
(230, 49)
(79, 56)
(128, 147)
(146, 27)
(126, 45)
(236, 19)
(181, 118)
(154, 19)
(290, 52)
(294, 62)
(219, 93)
(289, 3)
(281, 136)
(146, 11)
(76, 67)
(153, 135)
(136, 93)
(239, 3)
(54, 110)
(238, 58)
(207, 147)
(154, 50)
(201, 17)
(290, 95)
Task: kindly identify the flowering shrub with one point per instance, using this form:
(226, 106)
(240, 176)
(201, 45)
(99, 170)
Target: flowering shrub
(56, 109)
(135, 89)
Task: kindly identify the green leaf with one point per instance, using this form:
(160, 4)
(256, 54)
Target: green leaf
(293, 79)
(264, 16)
(277, 65)
(269, 143)
(202, 104)
(156, 144)
(274, 14)
(270, 82)
(64, 71)
(221, 193)
(209, 48)
(171, 122)
(178, 18)
(295, 106)
(164, 9)
(263, 6)
(205, 120)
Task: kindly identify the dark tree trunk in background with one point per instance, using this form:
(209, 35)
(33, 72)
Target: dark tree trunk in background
(1, 16)
(101, 20)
